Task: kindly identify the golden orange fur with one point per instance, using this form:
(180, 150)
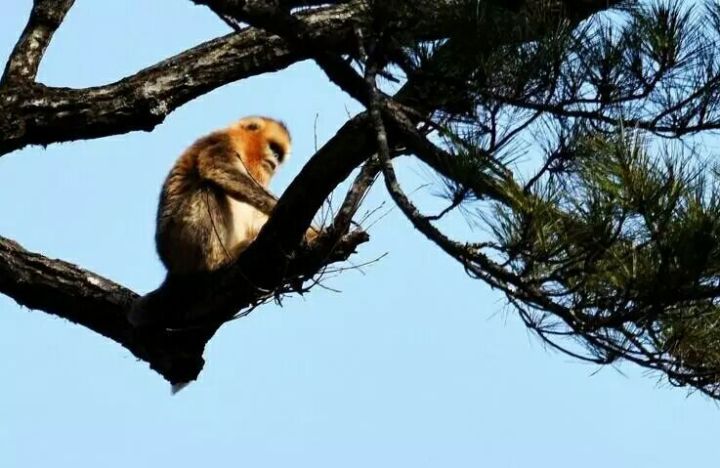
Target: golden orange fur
(215, 199)
(253, 144)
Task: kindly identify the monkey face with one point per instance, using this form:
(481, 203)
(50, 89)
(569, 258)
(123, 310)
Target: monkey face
(263, 143)
(274, 155)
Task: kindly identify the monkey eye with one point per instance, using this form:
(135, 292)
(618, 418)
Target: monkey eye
(277, 150)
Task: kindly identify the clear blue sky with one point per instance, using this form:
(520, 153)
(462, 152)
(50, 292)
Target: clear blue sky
(412, 364)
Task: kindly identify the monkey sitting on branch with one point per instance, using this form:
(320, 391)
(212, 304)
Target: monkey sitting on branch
(215, 200)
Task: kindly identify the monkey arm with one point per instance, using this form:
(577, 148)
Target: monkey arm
(215, 165)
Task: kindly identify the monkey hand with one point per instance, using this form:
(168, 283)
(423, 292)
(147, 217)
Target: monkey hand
(312, 234)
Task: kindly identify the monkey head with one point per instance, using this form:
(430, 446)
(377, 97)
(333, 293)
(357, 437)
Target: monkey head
(262, 144)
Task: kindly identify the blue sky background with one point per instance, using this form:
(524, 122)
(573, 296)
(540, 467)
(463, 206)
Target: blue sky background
(412, 364)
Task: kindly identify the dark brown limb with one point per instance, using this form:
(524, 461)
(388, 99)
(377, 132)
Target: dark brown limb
(215, 167)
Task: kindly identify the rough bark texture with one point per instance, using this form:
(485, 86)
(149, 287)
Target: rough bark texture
(45, 18)
(87, 299)
(37, 114)
(31, 113)
(65, 290)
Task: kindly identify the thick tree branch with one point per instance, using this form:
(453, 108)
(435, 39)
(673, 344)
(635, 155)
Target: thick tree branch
(63, 289)
(87, 299)
(43, 115)
(36, 114)
(45, 18)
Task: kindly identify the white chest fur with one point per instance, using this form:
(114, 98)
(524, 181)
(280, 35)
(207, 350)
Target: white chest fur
(247, 220)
